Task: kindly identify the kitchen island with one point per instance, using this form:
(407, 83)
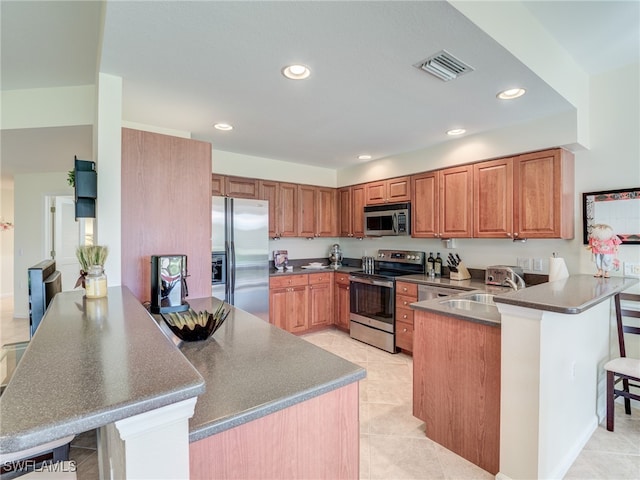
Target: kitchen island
(263, 395)
(553, 342)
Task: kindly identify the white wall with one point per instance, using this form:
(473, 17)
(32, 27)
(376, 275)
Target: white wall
(29, 197)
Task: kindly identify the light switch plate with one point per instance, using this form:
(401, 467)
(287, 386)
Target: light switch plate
(631, 269)
(537, 264)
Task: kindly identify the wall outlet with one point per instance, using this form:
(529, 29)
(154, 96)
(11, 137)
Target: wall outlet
(537, 264)
(631, 269)
(524, 263)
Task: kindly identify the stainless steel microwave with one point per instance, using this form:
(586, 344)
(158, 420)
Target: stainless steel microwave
(392, 219)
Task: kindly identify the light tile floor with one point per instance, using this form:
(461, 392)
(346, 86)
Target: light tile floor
(392, 441)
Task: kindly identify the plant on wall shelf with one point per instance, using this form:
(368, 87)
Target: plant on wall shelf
(71, 178)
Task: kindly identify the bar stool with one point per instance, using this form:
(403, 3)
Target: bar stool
(625, 369)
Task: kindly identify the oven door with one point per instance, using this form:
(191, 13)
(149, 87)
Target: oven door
(373, 303)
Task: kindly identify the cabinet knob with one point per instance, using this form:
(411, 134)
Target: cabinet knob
(347, 288)
(509, 234)
(404, 316)
(405, 302)
(404, 330)
(515, 234)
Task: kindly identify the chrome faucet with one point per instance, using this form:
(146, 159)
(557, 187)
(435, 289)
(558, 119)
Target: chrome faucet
(510, 283)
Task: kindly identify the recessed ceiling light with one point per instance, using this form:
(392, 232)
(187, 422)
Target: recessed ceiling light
(364, 157)
(456, 131)
(511, 93)
(225, 127)
(296, 72)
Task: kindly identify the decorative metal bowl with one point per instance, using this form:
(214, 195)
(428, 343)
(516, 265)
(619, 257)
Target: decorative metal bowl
(191, 326)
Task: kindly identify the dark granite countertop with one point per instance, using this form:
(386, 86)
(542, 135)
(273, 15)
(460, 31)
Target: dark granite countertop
(571, 295)
(299, 271)
(252, 368)
(90, 363)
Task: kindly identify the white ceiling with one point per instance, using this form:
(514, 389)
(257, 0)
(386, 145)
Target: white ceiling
(188, 65)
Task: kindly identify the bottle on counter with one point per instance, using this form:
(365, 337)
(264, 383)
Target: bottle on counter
(430, 263)
(438, 265)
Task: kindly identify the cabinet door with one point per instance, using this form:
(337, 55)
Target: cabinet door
(456, 202)
(424, 213)
(342, 305)
(345, 213)
(325, 215)
(376, 192)
(404, 336)
(269, 192)
(217, 185)
(298, 308)
(493, 199)
(287, 209)
(543, 199)
(399, 190)
(358, 202)
(241, 187)
(278, 307)
(306, 211)
(320, 304)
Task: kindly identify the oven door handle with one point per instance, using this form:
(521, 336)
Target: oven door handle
(370, 281)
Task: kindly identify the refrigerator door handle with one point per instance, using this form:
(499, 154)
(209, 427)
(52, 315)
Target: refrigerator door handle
(233, 272)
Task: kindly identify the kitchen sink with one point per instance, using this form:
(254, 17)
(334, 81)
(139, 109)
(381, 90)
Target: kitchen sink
(481, 298)
(470, 306)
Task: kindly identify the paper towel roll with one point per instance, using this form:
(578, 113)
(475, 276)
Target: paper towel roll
(557, 269)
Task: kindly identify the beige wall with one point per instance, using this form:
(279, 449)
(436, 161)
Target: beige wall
(6, 239)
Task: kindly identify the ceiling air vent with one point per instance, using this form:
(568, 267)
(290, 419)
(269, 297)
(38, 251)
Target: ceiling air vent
(444, 66)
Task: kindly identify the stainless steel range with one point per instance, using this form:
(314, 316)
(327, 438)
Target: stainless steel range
(373, 295)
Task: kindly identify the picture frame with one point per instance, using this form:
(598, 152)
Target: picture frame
(619, 209)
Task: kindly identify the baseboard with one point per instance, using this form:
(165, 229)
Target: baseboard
(569, 459)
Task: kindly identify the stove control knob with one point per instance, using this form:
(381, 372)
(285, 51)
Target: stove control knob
(381, 255)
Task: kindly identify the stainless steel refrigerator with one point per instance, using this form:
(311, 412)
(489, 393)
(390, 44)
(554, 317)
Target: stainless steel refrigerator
(240, 236)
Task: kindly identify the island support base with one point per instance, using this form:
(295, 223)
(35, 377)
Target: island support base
(318, 438)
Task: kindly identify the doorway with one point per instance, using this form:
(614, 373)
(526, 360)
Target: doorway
(63, 234)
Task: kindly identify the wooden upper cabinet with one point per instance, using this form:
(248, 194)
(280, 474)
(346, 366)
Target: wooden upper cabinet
(493, 199)
(456, 202)
(388, 191)
(351, 201)
(424, 209)
(217, 185)
(306, 211)
(543, 201)
(240, 187)
(268, 191)
(316, 211)
(326, 212)
(287, 208)
(237, 187)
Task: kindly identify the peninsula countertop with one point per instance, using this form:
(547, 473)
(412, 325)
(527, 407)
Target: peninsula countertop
(252, 368)
(91, 362)
(571, 295)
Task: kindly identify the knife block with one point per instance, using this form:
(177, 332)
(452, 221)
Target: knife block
(461, 274)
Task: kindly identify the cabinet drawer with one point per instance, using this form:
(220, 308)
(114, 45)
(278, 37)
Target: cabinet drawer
(404, 315)
(404, 336)
(409, 289)
(342, 278)
(288, 281)
(403, 301)
(316, 278)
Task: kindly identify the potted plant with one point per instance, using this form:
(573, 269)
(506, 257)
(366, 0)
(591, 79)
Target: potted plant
(89, 255)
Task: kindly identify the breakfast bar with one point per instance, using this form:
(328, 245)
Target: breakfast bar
(258, 391)
(537, 361)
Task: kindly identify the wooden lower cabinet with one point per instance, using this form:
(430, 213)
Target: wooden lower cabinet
(298, 303)
(342, 301)
(456, 385)
(317, 438)
(288, 303)
(320, 299)
(406, 294)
